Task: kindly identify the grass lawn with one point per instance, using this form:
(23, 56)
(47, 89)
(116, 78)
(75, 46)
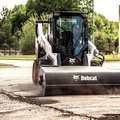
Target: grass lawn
(17, 57)
(112, 58)
(32, 57)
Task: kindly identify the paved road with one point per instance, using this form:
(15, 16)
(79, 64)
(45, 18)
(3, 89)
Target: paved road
(19, 99)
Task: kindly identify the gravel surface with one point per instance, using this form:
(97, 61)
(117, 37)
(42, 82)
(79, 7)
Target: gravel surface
(20, 99)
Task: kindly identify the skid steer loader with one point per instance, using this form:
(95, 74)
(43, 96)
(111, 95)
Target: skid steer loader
(65, 58)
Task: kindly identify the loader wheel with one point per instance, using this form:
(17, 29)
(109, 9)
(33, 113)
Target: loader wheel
(35, 72)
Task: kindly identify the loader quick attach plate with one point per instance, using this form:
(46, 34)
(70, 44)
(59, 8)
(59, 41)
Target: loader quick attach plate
(80, 75)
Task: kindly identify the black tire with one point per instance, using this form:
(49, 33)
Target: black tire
(35, 72)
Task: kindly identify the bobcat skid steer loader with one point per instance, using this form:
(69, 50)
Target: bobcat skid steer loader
(66, 59)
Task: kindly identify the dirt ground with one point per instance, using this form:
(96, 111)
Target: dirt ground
(20, 99)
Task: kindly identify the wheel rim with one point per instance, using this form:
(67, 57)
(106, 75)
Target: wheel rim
(35, 73)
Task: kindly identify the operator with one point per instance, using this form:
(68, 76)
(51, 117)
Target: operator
(77, 41)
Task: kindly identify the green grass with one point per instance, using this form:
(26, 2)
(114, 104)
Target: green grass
(32, 57)
(112, 58)
(17, 57)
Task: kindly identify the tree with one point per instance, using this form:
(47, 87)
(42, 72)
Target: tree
(27, 40)
(18, 17)
(5, 27)
(106, 32)
(11, 24)
(47, 6)
(2, 38)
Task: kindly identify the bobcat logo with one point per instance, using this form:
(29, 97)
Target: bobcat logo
(72, 60)
(76, 77)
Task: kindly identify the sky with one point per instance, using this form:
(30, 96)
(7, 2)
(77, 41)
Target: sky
(108, 8)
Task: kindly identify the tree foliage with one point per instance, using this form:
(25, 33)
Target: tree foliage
(17, 25)
(106, 34)
(48, 6)
(2, 38)
(28, 37)
(5, 27)
(11, 24)
(18, 17)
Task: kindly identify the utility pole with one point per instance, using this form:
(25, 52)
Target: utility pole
(93, 40)
(119, 34)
